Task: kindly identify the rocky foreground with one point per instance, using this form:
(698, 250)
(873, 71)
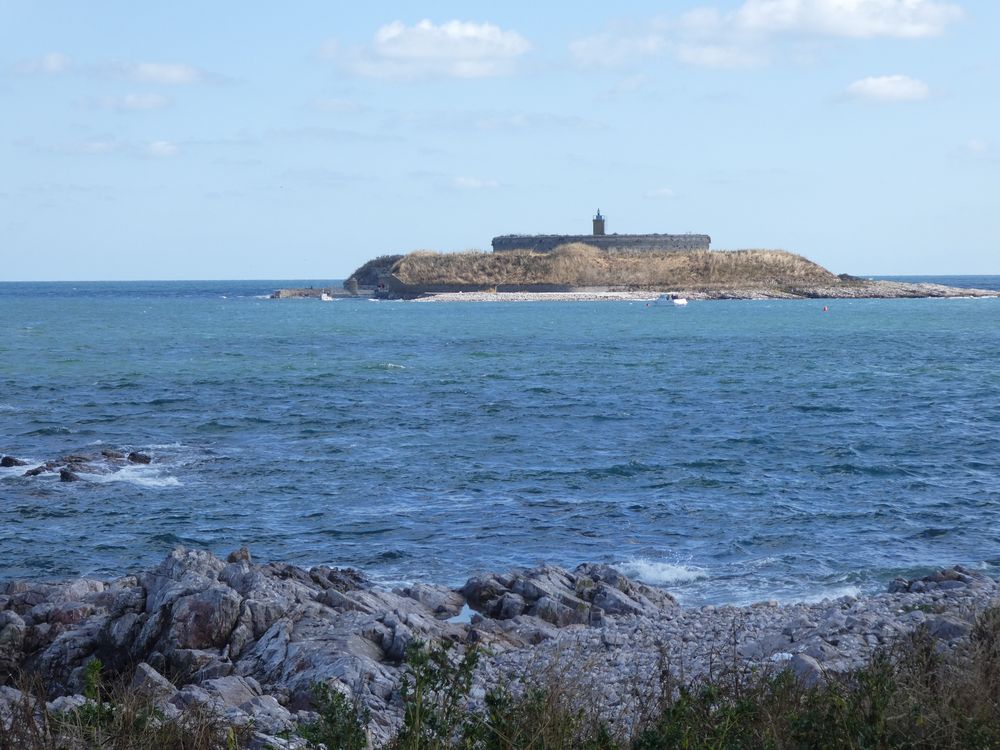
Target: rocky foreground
(250, 641)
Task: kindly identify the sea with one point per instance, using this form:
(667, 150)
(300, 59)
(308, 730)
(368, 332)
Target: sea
(729, 451)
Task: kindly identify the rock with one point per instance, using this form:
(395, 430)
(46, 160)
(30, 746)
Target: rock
(440, 600)
(9, 462)
(510, 606)
(948, 579)
(66, 475)
(151, 684)
(204, 619)
(240, 555)
(806, 670)
(563, 598)
(233, 691)
(253, 640)
(112, 455)
(138, 458)
(947, 627)
(66, 703)
(12, 631)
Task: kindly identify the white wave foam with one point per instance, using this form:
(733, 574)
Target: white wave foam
(832, 593)
(140, 476)
(659, 573)
(11, 472)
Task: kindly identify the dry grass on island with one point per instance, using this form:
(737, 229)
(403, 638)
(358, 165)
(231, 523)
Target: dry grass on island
(578, 271)
(581, 265)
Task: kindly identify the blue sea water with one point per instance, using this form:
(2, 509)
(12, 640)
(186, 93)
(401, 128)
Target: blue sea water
(730, 451)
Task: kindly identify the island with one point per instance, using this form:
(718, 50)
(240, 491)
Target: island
(604, 266)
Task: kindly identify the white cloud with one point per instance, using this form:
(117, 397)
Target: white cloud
(896, 88)
(458, 49)
(753, 32)
(905, 19)
(162, 149)
(474, 183)
(132, 102)
(663, 192)
(165, 73)
(51, 63)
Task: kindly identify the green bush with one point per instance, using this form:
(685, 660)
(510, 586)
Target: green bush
(341, 724)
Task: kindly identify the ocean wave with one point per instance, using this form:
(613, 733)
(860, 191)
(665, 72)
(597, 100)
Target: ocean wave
(13, 472)
(140, 476)
(660, 573)
(385, 366)
(832, 593)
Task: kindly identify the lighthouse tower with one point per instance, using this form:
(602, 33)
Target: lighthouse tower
(598, 224)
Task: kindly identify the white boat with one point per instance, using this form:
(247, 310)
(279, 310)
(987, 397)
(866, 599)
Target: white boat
(671, 299)
(324, 297)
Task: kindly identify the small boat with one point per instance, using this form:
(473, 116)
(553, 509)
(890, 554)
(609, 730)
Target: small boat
(671, 299)
(324, 297)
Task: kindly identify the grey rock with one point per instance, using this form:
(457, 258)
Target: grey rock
(947, 627)
(806, 669)
(240, 555)
(150, 683)
(442, 601)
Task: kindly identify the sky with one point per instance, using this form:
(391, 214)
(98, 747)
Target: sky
(231, 140)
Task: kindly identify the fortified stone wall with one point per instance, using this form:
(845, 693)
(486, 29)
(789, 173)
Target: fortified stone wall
(544, 243)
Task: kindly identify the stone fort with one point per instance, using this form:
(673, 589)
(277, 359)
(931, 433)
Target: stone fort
(544, 243)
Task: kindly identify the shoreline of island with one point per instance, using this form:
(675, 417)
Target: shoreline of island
(856, 289)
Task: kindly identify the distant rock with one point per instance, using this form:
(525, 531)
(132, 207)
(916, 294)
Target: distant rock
(9, 462)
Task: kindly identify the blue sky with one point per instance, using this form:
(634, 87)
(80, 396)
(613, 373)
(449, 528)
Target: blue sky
(252, 140)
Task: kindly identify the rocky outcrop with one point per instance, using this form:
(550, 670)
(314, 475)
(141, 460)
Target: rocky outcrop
(250, 641)
(562, 598)
(273, 631)
(70, 467)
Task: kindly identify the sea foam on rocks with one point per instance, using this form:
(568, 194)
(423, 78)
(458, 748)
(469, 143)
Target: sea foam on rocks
(251, 641)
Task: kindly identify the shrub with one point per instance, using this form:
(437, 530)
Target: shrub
(112, 719)
(341, 724)
(435, 693)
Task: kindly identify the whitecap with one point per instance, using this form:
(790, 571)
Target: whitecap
(140, 476)
(832, 593)
(18, 471)
(660, 573)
